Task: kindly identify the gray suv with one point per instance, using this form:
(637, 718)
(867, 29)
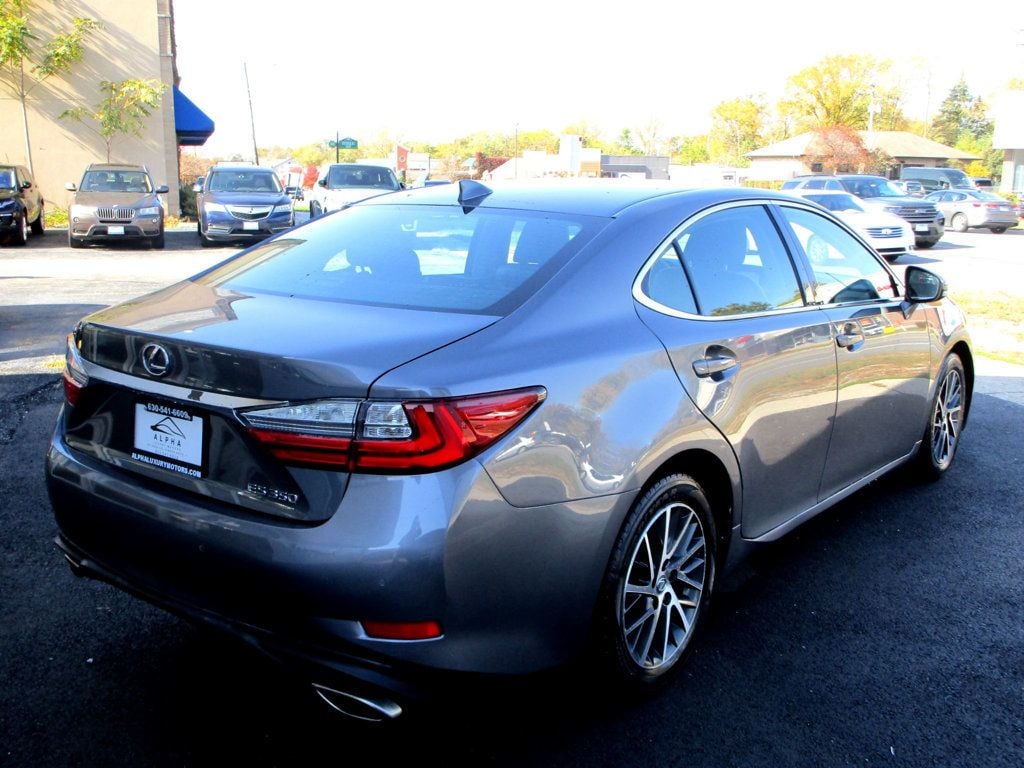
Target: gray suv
(927, 222)
(115, 202)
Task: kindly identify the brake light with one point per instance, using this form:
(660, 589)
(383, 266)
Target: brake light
(75, 377)
(402, 630)
(390, 437)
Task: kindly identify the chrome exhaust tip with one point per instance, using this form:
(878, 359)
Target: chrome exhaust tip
(358, 707)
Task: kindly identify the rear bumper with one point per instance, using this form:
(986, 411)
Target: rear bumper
(513, 588)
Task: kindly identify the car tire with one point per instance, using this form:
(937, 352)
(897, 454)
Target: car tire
(20, 235)
(650, 611)
(946, 418)
(74, 242)
(158, 241)
(314, 210)
(39, 225)
(998, 230)
(958, 223)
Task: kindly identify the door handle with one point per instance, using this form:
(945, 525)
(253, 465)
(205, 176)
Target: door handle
(850, 336)
(709, 366)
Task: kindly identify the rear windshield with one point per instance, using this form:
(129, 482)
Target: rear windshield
(487, 261)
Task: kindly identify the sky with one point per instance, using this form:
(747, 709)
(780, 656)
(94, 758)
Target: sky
(434, 70)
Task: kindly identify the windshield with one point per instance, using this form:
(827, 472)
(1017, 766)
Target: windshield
(872, 186)
(487, 261)
(366, 176)
(836, 202)
(243, 181)
(116, 181)
(7, 178)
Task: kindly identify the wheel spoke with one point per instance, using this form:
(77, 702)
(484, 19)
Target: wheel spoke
(661, 596)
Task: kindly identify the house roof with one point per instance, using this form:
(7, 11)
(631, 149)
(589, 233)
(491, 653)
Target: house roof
(896, 144)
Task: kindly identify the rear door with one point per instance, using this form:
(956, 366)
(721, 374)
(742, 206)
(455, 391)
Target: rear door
(759, 361)
(882, 346)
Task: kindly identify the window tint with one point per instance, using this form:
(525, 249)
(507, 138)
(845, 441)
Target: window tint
(844, 270)
(815, 184)
(737, 263)
(418, 257)
(243, 181)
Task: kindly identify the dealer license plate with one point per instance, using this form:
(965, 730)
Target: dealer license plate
(920, 227)
(250, 225)
(115, 230)
(168, 437)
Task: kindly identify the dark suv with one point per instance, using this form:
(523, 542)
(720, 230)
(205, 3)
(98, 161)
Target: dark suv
(927, 222)
(238, 203)
(21, 205)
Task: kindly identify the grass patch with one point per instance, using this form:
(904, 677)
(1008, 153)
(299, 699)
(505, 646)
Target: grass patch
(996, 323)
(56, 217)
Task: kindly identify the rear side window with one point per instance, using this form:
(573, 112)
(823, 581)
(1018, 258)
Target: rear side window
(844, 270)
(487, 261)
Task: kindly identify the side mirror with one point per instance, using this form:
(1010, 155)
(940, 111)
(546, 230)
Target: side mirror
(26, 185)
(161, 190)
(323, 182)
(924, 286)
(70, 186)
(197, 187)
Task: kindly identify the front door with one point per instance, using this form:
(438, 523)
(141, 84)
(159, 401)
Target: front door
(758, 361)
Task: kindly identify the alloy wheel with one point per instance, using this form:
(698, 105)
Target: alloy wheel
(946, 418)
(664, 583)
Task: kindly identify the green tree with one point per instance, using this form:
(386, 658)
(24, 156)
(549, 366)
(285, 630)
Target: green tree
(961, 114)
(25, 62)
(691, 150)
(123, 110)
(839, 90)
(736, 128)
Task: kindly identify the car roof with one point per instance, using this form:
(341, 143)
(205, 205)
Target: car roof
(593, 197)
(115, 167)
(240, 167)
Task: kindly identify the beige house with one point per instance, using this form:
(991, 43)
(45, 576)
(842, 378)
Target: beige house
(136, 41)
(792, 157)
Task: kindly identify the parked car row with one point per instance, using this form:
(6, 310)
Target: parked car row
(876, 193)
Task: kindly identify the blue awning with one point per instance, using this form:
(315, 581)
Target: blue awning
(192, 125)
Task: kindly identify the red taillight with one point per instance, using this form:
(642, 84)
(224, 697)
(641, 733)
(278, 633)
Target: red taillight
(75, 377)
(416, 436)
(402, 630)
(305, 449)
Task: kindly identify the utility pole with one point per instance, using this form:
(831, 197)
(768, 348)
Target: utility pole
(252, 120)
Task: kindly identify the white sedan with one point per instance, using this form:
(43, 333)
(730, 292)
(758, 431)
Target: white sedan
(888, 234)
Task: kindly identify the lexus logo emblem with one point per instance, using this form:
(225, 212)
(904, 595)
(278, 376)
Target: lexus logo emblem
(156, 359)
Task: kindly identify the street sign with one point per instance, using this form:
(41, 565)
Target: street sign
(348, 143)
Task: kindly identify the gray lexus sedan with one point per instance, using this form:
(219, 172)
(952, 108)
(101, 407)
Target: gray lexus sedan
(475, 429)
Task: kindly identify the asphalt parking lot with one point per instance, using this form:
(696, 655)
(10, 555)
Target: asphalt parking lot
(886, 631)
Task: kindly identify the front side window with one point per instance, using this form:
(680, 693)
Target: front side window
(736, 263)
(844, 269)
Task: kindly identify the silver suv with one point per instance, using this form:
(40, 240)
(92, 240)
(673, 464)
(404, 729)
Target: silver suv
(926, 220)
(115, 202)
